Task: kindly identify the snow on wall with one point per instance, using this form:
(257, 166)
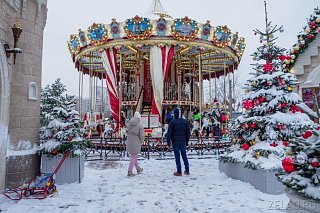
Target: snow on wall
(3, 148)
(23, 148)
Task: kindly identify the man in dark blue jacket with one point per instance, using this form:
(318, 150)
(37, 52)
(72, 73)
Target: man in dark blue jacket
(179, 134)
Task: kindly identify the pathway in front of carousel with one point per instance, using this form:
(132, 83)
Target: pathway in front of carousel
(106, 188)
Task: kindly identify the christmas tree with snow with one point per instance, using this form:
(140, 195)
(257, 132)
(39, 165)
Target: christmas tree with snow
(274, 112)
(63, 131)
(301, 166)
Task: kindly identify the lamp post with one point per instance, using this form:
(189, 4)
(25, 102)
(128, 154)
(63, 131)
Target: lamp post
(17, 30)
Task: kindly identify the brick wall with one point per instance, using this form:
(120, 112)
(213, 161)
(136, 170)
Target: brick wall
(24, 114)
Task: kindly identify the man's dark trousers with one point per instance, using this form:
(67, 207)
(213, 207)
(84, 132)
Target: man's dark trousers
(177, 149)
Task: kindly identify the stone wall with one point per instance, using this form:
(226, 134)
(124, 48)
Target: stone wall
(24, 114)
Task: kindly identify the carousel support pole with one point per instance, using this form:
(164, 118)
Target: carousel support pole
(102, 99)
(200, 90)
(90, 97)
(224, 83)
(79, 85)
(179, 77)
(137, 77)
(81, 90)
(210, 95)
(224, 90)
(230, 95)
(234, 91)
(215, 85)
(95, 85)
(120, 92)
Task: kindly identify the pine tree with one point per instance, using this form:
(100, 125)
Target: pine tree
(63, 131)
(51, 96)
(301, 167)
(274, 112)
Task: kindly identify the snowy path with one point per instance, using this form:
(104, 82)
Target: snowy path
(106, 188)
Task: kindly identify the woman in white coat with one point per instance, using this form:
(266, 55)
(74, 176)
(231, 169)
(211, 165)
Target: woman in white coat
(135, 133)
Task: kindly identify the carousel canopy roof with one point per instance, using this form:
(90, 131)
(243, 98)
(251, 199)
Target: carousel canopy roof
(215, 48)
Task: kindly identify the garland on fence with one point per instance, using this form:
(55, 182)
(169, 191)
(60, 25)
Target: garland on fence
(305, 37)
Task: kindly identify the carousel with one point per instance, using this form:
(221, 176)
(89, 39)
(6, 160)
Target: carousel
(153, 63)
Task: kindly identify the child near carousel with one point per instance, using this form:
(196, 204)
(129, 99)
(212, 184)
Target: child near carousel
(135, 134)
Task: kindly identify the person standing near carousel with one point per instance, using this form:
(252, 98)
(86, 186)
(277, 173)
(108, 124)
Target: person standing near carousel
(179, 134)
(135, 134)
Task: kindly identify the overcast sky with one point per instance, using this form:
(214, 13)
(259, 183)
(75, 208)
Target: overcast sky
(65, 17)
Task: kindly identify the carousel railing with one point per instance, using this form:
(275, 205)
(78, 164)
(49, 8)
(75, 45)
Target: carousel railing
(115, 148)
(170, 91)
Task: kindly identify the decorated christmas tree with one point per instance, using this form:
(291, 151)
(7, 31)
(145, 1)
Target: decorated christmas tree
(63, 131)
(274, 112)
(301, 166)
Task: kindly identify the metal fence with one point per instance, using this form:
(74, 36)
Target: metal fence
(115, 148)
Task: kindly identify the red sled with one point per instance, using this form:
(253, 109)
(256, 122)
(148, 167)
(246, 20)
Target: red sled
(40, 187)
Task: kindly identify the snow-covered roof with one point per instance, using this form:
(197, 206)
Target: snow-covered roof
(313, 79)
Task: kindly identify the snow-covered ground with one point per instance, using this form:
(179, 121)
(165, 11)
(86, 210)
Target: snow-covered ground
(106, 188)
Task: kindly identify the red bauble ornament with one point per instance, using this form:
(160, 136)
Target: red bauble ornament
(294, 108)
(70, 138)
(245, 146)
(310, 37)
(262, 99)
(255, 33)
(282, 57)
(274, 144)
(253, 125)
(54, 152)
(283, 105)
(267, 67)
(307, 134)
(312, 24)
(285, 143)
(247, 104)
(315, 164)
(288, 57)
(288, 165)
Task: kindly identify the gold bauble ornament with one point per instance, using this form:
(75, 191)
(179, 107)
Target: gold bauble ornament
(257, 155)
(318, 20)
(289, 152)
(253, 142)
(289, 88)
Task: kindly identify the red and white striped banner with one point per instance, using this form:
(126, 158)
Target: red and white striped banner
(109, 59)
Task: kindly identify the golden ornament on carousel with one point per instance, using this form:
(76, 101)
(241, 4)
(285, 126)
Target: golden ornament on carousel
(318, 20)
(289, 88)
(253, 142)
